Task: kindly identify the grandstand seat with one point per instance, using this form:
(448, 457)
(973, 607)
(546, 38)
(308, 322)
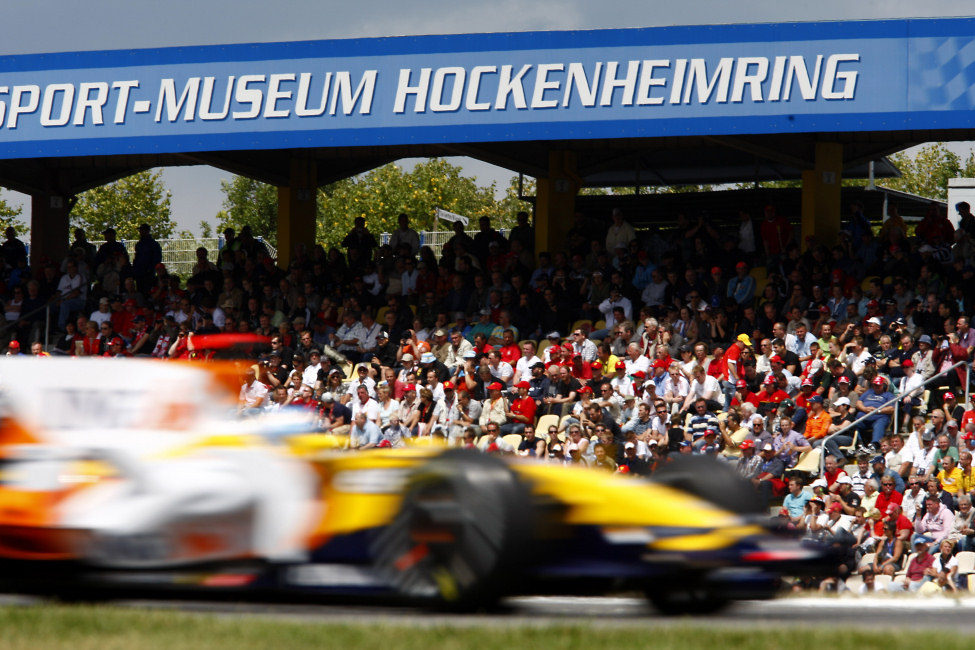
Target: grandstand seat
(347, 369)
(867, 560)
(881, 582)
(809, 461)
(513, 439)
(966, 564)
(599, 325)
(854, 582)
(848, 450)
(542, 345)
(547, 421)
(580, 323)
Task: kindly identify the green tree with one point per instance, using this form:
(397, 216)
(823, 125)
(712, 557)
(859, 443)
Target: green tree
(123, 205)
(9, 217)
(206, 230)
(382, 194)
(927, 170)
(248, 202)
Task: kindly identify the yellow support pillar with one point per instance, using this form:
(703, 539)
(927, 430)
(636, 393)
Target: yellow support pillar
(821, 209)
(296, 209)
(555, 202)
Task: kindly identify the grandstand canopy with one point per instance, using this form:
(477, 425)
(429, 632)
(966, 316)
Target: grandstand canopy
(815, 101)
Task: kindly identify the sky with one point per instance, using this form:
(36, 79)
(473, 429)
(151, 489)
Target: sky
(34, 26)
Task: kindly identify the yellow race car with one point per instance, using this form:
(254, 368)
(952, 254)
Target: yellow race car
(135, 475)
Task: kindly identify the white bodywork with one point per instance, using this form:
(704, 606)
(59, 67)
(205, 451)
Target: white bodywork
(187, 487)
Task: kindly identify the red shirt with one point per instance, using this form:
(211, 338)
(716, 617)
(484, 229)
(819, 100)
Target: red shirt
(730, 356)
(524, 406)
(510, 353)
(883, 500)
(581, 371)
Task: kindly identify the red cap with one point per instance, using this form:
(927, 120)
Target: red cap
(599, 364)
(409, 387)
(741, 265)
(741, 383)
(14, 345)
(639, 374)
(969, 436)
(585, 389)
(746, 444)
(907, 364)
(776, 359)
(806, 382)
(659, 363)
(844, 380)
(715, 269)
(621, 365)
(523, 384)
(567, 346)
(623, 469)
(949, 395)
(835, 507)
(495, 386)
(117, 341)
(449, 385)
(384, 444)
(873, 304)
(769, 379)
(878, 381)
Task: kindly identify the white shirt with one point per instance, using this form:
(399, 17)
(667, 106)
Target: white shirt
(641, 363)
(252, 393)
(371, 408)
(607, 306)
(801, 348)
(69, 284)
(524, 367)
(504, 371)
(709, 389)
(100, 316)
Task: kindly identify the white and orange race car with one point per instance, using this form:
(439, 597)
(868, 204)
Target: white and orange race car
(134, 475)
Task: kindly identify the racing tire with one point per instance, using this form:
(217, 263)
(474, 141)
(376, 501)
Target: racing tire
(713, 481)
(463, 529)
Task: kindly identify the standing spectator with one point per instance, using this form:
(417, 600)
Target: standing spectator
(359, 240)
(148, 254)
(620, 232)
(776, 233)
(405, 236)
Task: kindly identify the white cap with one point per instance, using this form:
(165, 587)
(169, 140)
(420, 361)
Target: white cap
(845, 479)
(629, 445)
(843, 401)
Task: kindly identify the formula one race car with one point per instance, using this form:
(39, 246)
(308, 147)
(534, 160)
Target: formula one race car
(133, 475)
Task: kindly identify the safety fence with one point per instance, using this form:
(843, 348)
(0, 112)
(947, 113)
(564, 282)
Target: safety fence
(435, 239)
(179, 255)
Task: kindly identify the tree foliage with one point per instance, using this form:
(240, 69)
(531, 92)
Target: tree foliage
(9, 217)
(123, 205)
(382, 194)
(927, 170)
(379, 196)
(248, 202)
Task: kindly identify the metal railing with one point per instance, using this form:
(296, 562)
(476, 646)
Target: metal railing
(47, 319)
(895, 400)
(179, 255)
(435, 239)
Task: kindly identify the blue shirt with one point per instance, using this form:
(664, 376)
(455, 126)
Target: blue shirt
(796, 505)
(872, 400)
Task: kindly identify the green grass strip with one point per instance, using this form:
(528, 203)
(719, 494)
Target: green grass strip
(108, 628)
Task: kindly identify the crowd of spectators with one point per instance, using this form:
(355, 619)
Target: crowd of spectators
(618, 350)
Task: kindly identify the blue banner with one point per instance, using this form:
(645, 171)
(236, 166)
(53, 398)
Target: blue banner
(864, 76)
